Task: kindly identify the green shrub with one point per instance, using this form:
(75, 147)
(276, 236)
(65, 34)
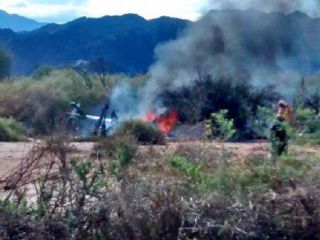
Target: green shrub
(10, 130)
(143, 132)
(107, 147)
(260, 123)
(306, 129)
(41, 72)
(42, 105)
(124, 153)
(220, 127)
(193, 171)
(206, 95)
(120, 150)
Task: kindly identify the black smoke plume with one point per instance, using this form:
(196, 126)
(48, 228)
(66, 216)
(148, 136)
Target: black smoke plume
(263, 49)
(310, 7)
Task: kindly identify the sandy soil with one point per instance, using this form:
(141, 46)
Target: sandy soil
(11, 154)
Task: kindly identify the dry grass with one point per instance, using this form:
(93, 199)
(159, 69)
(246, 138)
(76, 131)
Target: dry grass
(183, 190)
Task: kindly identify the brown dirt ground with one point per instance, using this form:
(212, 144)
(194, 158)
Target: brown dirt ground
(11, 154)
(150, 161)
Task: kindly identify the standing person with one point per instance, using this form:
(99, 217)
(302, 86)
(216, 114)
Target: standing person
(279, 136)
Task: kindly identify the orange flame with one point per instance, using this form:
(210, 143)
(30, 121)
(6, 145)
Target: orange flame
(151, 116)
(164, 122)
(167, 122)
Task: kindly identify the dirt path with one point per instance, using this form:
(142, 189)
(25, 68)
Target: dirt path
(11, 154)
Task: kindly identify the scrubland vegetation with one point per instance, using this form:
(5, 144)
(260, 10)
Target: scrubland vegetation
(192, 190)
(10, 130)
(139, 185)
(40, 103)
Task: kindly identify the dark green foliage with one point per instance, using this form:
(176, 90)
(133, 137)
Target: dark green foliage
(260, 123)
(41, 71)
(112, 147)
(220, 127)
(306, 129)
(193, 171)
(124, 153)
(313, 101)
(5, 64)
(10, 130)
(42, 105)
(204, 97)
(143, 132)
(120, 150)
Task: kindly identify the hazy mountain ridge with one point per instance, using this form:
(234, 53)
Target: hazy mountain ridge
(127, 42)
(17, 23)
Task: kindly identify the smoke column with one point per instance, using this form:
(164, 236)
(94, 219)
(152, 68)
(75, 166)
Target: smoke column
(310, 7)
(277, 48)
(265, 49)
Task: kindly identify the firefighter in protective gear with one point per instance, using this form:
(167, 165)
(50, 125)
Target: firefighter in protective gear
(279, 136)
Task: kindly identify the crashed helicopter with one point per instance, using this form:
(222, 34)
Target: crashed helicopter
(107, 121)
(104, 124)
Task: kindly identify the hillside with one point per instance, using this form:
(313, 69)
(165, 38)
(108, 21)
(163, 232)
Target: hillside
(126, 42)
(17, 23)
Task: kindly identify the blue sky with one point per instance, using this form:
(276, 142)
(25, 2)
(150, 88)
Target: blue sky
(65, 10)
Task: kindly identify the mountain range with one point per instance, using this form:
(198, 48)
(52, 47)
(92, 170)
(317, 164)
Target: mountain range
(126, 42)
(17, 23)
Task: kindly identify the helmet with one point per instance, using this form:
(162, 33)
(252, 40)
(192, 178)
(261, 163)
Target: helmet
(283, 104)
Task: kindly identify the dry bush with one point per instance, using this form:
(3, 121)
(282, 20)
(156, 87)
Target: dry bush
(108, 147)
(250, 199)
(42, 105)
(11, 130)
(144, 133)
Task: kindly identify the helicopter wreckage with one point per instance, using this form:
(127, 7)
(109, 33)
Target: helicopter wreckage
(105, 124)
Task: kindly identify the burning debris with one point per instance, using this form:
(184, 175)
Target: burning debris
(165, 122)
(105, 125)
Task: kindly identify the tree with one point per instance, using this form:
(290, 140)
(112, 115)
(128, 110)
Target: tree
(41, 71)
(82, 67)
(99, 67)
(5, 64)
